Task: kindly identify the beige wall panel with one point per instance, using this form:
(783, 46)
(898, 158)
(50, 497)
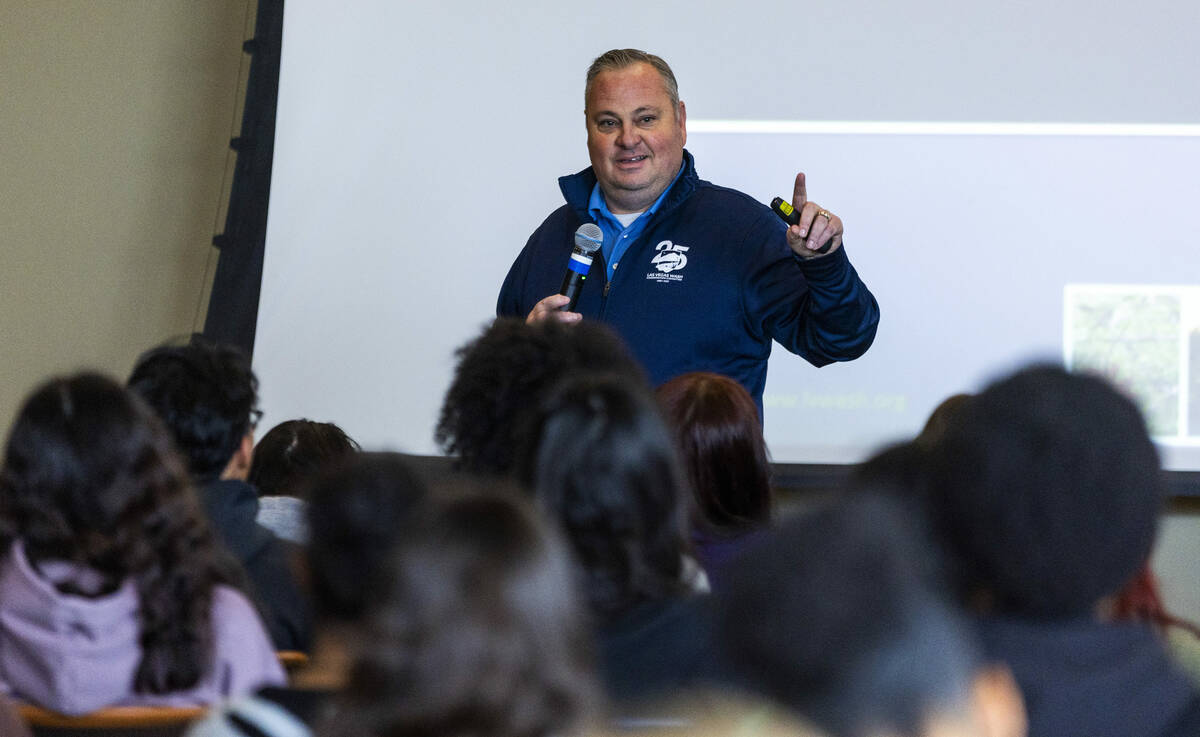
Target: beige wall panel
(115, 118)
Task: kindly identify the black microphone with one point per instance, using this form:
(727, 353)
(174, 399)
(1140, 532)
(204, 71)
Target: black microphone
(587, 241)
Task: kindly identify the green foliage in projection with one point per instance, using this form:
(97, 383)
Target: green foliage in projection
(1134, 340)
(1194, 383)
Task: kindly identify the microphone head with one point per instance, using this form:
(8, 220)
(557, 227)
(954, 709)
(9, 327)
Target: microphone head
(589, 237)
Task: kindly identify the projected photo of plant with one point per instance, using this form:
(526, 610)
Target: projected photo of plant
(1147, 340)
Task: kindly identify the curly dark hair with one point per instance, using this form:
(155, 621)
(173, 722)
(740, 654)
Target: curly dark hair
(293, 453)
(207, 396)
(90, 477)
(719, 432)
(479, 633)
(603, 464)
(503, 373)
(1047, 489)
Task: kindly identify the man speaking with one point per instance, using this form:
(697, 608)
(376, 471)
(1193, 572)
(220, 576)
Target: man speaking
(694, 276)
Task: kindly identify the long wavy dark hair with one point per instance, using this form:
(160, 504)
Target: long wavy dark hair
(90, 477)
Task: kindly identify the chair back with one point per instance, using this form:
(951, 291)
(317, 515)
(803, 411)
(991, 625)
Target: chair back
(114, 721)
(292, 660)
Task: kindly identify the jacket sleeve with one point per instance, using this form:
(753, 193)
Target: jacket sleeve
(818, 309)
(510, 303)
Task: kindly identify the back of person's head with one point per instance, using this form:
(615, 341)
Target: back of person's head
(479, 632)
(291, 454)
(1047, 492)
(602, 463)
(838, 615)
(943, 418)
(719, 434)
(898, 469)
(90, 478)
(502, 374)
(356, 513)
(206, 394)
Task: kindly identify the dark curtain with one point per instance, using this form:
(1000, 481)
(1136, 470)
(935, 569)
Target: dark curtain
(233, 306)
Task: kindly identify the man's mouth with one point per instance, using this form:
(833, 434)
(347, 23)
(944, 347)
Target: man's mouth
(633, 159)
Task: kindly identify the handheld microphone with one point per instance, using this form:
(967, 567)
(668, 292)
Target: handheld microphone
(587, 241)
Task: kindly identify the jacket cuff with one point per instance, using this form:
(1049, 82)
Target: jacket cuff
(825, 267)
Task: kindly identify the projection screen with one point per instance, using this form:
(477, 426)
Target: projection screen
(1011, 192)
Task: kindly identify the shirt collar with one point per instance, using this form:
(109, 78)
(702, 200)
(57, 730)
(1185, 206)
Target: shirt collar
(598, 208)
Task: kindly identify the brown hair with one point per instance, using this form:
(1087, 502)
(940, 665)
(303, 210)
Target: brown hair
(622, 58)
(719, 435)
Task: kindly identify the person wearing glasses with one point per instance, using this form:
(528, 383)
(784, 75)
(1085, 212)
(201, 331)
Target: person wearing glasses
(207, 396)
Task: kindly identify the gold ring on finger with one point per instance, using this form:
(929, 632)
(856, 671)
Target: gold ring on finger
(825, 214)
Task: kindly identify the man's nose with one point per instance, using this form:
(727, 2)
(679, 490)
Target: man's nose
(628, 137)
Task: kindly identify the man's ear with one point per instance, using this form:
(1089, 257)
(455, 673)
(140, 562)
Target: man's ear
(681, 114)
(997, 703)
(238, 467)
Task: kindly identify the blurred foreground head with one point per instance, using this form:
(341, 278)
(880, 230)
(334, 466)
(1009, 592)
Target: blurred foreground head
(1046, 489)
(837, 616)
(478, 633)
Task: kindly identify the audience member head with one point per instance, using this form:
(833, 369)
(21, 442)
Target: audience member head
(1047, 493)
(479, 633)
(293, 453)
(356, 514)
(90, 478)
(503, 373)
(605, 468)
(838, 616)
(719, 434)
(942, 419)
(207, 396)
(898, 470)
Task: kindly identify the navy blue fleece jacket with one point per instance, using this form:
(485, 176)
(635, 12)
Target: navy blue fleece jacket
(706, 287)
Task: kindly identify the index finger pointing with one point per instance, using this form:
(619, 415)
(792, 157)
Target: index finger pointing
(799, 193)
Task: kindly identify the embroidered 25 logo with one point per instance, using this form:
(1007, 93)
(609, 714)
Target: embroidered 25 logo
(670, 257)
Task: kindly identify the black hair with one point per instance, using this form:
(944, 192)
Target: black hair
(207, 396)
(292, 453)
(603, 464)
(899, 469)
(837, 615)
(504, 372)
(1048, 490)
(90, 477)
(356, 514)
(479, 632)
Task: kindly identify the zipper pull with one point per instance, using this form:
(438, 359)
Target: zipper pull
(607, 284)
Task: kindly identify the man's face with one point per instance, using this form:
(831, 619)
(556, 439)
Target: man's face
(635, 136)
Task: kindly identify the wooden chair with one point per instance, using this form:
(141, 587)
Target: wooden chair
(114, 721)
(292, 660)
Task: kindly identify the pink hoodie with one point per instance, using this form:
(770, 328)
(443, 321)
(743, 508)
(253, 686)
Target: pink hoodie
(76, 654)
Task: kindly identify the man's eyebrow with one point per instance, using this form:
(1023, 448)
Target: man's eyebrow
(639, 111)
